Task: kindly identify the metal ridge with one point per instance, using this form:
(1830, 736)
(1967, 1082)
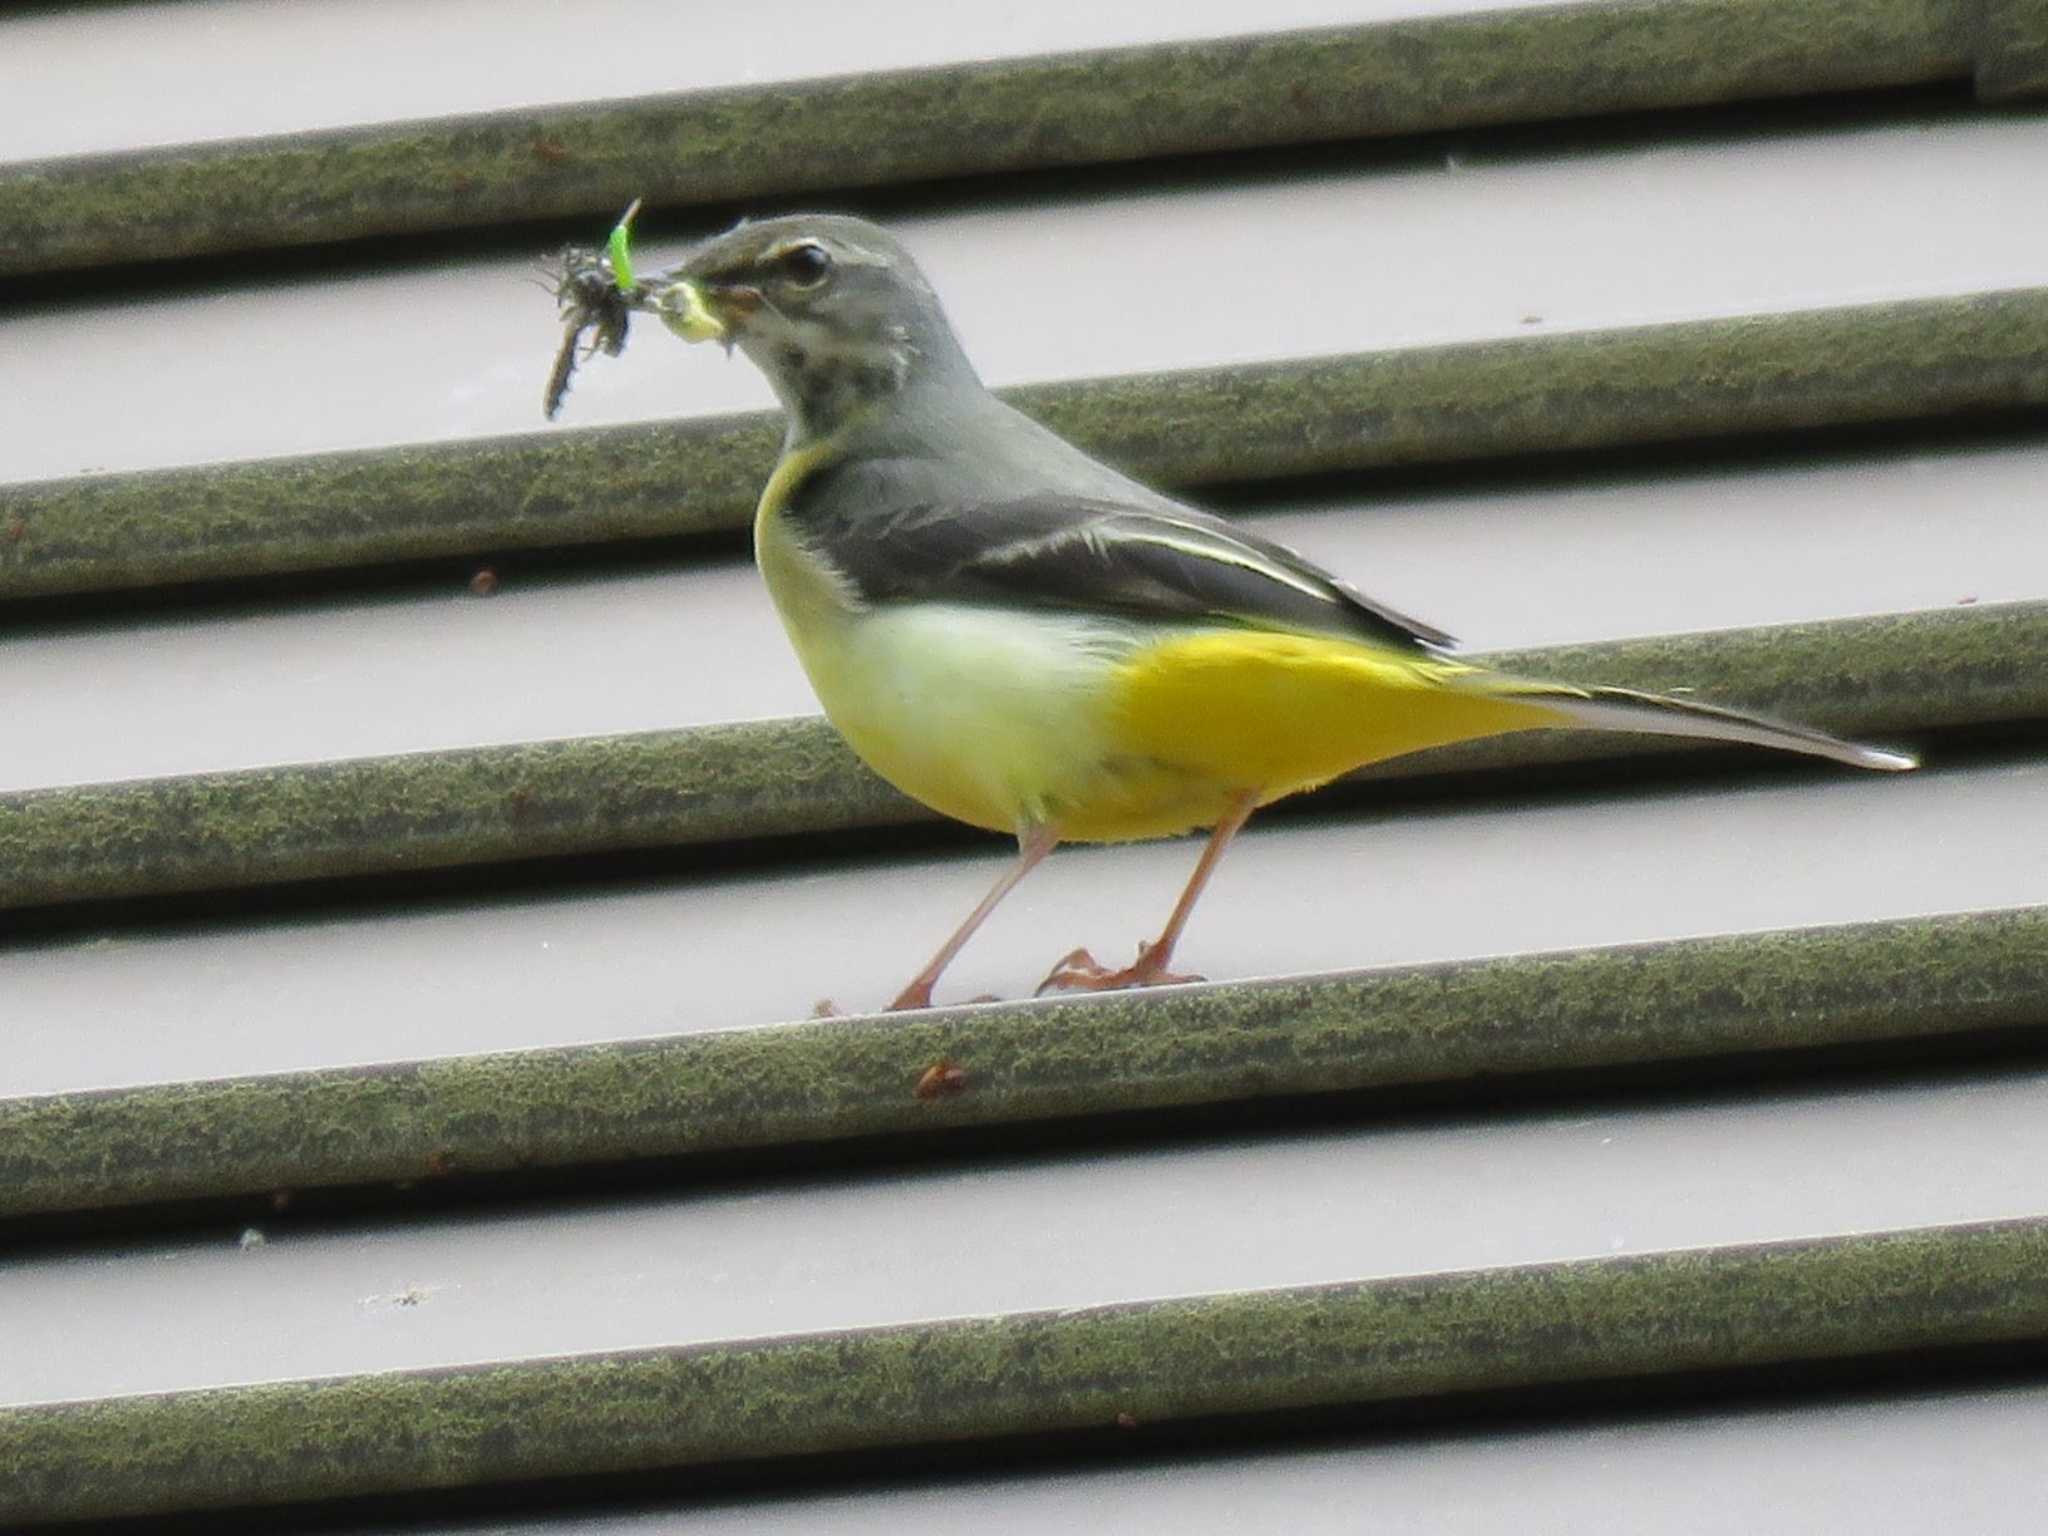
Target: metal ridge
(1376, 79)
(1880, 676)
(832, 1079)
(1901, 360)
(967, 1379)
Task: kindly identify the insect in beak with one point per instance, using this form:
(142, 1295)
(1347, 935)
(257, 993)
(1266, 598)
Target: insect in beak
(594, 292)
(597, 292)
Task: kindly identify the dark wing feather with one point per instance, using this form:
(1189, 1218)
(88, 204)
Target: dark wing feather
(1053, 551)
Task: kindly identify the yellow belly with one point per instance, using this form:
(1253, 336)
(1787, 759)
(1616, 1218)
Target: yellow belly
(989, 717)
(1280, 713)
(1003, 719)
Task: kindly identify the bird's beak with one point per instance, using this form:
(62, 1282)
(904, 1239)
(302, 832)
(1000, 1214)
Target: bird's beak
(696, 311)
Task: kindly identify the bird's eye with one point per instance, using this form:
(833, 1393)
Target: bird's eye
(804, 266)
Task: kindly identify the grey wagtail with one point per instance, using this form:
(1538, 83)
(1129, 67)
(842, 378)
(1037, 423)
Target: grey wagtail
(1022, 638)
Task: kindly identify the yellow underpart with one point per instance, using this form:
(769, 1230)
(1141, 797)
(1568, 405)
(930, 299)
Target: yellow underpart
(789, 472)
(990, 717)
(1279, 713)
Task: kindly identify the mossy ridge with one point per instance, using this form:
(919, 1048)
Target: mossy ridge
(1856, 364)
(832, 1079)
(436, 809)
(1245, 1352)
(1371, 80)
(1909, 673)
(1471, 401)
(272, 517)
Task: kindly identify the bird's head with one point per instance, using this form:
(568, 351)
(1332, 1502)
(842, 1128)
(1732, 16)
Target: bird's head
(832, 309)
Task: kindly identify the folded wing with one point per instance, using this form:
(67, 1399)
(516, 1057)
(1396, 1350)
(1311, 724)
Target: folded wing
(1053, 551)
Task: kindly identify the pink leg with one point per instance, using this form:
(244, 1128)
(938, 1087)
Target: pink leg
(1033, 844)
(1081, 970)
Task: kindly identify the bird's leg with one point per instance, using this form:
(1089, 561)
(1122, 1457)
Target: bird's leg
(1033, 844)
(1082, 971)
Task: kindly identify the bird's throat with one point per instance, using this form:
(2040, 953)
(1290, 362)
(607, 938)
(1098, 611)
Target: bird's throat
(826, 389)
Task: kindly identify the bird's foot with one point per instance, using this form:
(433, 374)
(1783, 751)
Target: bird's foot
(917, 995)
(1080, 971)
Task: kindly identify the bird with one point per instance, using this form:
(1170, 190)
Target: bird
(1026, 639)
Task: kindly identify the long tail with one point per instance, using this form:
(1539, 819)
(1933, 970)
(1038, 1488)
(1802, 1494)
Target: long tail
(1623, 709)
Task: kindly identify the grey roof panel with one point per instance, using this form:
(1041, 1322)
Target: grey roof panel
(1618, 1316)
(1059, 1231)
(713, 950)
(1911, 674)
(1936, 984)
(1801, 534)
(566, 655)
(348, 62)
(1485, 236)
(1271, 265)
(1363, 81)
(1920, 361)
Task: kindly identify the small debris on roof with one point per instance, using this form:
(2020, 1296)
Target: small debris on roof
(942, 1079)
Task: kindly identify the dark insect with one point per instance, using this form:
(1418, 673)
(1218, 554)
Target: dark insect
(589, 297)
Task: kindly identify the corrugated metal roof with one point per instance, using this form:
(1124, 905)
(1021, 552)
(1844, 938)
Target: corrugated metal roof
(1457, 1143)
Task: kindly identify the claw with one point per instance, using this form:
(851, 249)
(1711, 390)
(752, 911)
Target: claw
(1076, 968)
(917, 995)
(1079, 971)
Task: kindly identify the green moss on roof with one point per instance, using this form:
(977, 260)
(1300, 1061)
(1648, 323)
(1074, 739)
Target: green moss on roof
(1902, 673)
(1376, 79)
(1918, 359)
(833, 1079)
(1021, 1373)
